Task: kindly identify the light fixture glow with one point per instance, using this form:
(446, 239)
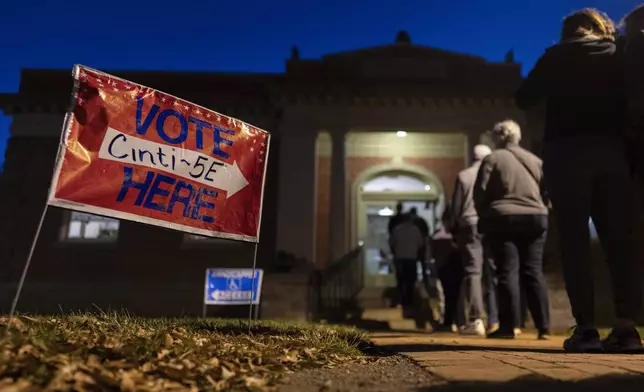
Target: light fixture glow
(386, 212)
(427, 187)
(401, 133)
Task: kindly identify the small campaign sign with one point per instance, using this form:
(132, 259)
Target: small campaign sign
(226, 286)
(132, 152)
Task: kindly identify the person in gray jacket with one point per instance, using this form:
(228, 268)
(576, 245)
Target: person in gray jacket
(513, 216)
(464, 221)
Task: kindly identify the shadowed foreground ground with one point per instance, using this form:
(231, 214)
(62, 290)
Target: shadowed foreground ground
(603, 383)
(475, 364)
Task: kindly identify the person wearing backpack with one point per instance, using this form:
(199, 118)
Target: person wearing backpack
(513, 217)
(587, 172)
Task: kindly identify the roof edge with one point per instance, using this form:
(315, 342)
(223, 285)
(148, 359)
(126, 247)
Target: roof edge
(157, 72)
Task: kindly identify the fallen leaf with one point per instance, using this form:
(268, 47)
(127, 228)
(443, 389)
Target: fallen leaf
(186, 354)
(188, 364)
(254, 382)
(310, 351)
(127, 383)
(93, 361)
(199, 342)
(106, 378)
(82, 379)
(26, 349)
(168, 340)
(226, 374)
(148, 367)
(290, 357)
(18, 386)
(17, 324)
(211, 380)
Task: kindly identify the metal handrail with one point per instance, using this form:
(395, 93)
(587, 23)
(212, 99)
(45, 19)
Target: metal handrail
(333, 291)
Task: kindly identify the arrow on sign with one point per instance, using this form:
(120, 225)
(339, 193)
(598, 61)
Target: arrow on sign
(232, 180)
(189, 164)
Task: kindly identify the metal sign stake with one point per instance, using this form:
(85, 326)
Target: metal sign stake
(23, 277)
(252, 290)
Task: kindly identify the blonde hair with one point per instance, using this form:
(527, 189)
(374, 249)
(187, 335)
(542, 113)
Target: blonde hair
(589, 24)
(505, 132)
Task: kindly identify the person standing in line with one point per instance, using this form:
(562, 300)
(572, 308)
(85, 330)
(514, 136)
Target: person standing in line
(632, 47)
(513, 216)
(447, 263)
(489, 290)
(394, 221)
(397, 218)
(406, 240)
(464, 221)
(422, 225)
(419, 221)
(587, 171)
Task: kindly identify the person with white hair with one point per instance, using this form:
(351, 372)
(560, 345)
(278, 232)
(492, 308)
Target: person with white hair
(587, 170)
(513, 217)
(463, 225)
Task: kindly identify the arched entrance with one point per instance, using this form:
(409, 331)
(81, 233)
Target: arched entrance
(376, 194)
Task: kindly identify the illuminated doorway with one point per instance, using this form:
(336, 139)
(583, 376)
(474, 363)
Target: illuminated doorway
(376, 204)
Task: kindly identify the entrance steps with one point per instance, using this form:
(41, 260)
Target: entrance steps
(376, 308)
(391, 317)
(373, 297)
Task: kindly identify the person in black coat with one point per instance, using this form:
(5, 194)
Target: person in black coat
(631, 43)
(394, 221)
(449, 268)
(586, 170)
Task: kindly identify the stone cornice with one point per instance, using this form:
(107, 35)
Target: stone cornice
(20, 104)
(436, 102)
(15, 104)
(37, 107)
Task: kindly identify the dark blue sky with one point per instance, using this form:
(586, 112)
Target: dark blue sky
(256, 35)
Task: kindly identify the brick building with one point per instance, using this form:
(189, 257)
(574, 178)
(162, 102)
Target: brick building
(353, 133)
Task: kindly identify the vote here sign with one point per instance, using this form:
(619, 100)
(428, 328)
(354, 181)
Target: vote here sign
(135, 153)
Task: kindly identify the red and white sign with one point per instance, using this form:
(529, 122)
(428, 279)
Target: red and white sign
(132, 152)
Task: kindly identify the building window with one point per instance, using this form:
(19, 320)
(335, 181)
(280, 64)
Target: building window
(195, 239)
(82, 226)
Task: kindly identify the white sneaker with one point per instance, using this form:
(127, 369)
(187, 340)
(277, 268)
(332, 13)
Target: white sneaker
(476, 328)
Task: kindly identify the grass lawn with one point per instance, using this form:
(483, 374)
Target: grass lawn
(113, 351)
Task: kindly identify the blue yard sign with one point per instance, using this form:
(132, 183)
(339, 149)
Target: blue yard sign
(227, 286)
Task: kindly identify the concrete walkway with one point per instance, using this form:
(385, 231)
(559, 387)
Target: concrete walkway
(521, 364)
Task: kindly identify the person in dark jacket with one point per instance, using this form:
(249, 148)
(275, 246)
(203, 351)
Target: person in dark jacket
(586, 171)
(447, 262)
(419, 221)
(513, 217)
(632, 46)
(396, 219)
